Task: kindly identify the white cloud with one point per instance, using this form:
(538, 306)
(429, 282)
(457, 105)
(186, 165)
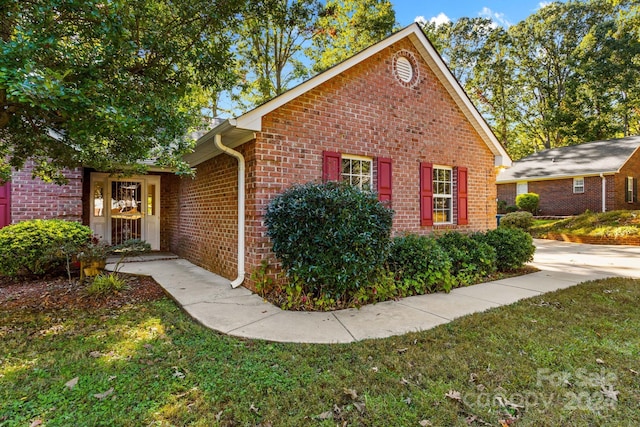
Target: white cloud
(420, 20)
(544, 4)
(497, 17)
(439, 20)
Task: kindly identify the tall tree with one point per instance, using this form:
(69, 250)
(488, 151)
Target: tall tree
(270, 48)
(345, 27)
(107, 84)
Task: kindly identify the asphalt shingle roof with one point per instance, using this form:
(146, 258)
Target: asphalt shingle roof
(590, 158)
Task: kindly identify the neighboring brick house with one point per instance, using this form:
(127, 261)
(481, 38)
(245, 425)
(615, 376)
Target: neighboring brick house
(599, 176)
(391, 118)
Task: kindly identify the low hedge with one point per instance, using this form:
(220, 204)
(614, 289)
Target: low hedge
(39, 246)
(514, 247)
(471, 259)
(419, 265)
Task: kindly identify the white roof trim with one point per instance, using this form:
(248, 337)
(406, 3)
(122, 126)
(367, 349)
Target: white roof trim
(252, 120)
(553, 177)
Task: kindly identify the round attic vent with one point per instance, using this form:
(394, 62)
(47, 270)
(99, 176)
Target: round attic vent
(405, 68)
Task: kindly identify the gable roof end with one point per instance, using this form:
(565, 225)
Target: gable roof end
(252, 120)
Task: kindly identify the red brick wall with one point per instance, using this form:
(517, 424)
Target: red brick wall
(199, 216)
(364, 111)
(557, 197)
(35, 199)
(631, 168)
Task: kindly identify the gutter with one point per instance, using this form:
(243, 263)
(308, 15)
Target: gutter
(604, 192)
(241, 196)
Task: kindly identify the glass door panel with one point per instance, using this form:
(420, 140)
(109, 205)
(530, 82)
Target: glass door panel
(127, 211)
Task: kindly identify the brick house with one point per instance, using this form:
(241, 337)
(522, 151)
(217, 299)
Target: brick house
(392, 119)
(599, 176)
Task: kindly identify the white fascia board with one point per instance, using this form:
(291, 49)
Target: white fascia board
(552, 177)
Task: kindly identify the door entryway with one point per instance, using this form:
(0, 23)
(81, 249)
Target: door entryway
(126, 208)
(5, 204)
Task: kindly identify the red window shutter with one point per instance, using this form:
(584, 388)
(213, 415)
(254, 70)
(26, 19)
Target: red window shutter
(463, 211)
(426, 194)
(331, 166)
(384, 179)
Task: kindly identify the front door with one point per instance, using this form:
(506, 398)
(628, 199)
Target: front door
(126, 208)
(5, 204)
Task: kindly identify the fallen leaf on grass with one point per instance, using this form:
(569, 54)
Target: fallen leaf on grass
(425, 423)
(218, 416)
(375, 369)
(327, 415)
(148, 346)
(407, 401)
(600, 361)
(112, 377)
(101, 396)
(178, 374)
(360, 406)
(35, 423)
(402, 350)
(254, 409)
(403, 381)
(454, 395)
(72, 383)
(95, 354)
(610, 392)
(351, 393)
(634, 372)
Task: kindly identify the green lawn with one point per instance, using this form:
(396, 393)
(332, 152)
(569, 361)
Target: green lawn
(613, 224)
(569, 358)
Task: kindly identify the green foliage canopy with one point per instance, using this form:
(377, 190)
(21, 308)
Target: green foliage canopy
(107, 84)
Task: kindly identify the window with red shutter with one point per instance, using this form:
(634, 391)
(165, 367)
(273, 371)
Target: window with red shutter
(463, 217)
(384, 179)
(426, 194)
(331, 166)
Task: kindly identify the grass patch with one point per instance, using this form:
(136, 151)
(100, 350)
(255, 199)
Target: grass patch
(559, 359)
(607, 224)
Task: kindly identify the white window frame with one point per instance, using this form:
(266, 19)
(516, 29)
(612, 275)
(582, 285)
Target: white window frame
(630, 189)
(578, 185)
(522, 187)
(442, 197)
(355, 177)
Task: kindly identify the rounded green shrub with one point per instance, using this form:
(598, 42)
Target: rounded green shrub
(38, 246)
(522, 220)
(331, 238)
(471, 259)
(420, 265)
(528, 202)
(514, 247)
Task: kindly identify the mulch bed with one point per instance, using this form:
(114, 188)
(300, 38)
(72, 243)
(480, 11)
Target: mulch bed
(55, 292)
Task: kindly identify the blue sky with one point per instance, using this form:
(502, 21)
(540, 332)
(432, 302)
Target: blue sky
(503, 12)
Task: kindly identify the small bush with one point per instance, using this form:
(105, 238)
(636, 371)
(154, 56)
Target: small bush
(420, 265)
(528, 202)
(331, 238)
(106, 284)
(471, 259)
(39, 246)
(514, 247)
(511, 208)
(522, 220)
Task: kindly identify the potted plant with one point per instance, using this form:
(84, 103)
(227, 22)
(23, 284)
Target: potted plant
(93, 257)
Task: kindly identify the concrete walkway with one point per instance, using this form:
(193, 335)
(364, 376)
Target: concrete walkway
(209, 299)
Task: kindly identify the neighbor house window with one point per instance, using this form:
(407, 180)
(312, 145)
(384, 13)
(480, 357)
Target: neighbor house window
(578, 185)
(522, 188)
(357, 171)
(631, 188)
(442, 195)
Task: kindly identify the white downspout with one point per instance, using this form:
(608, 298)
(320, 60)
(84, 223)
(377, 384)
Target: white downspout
(241, 195)
(604, 192)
